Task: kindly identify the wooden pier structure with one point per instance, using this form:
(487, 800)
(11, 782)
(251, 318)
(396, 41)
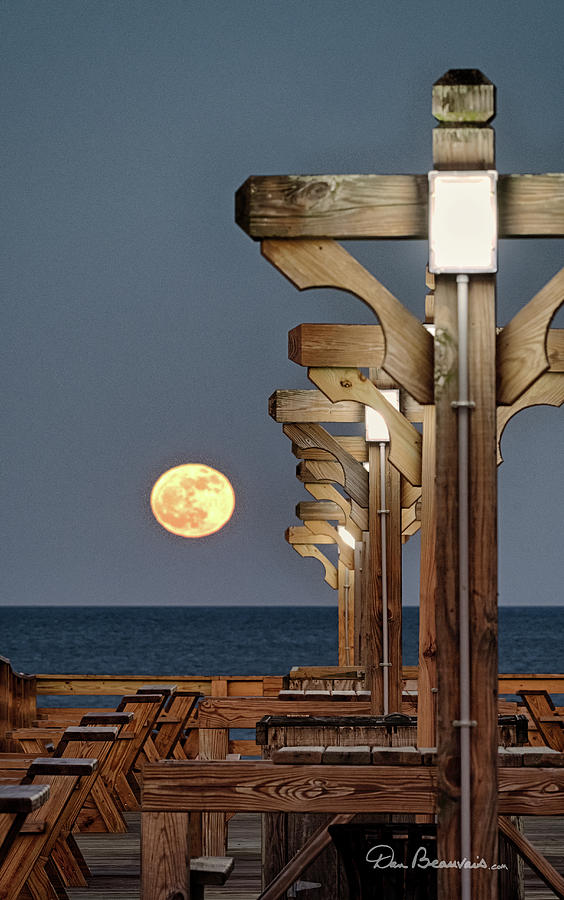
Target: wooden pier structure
(151, 797)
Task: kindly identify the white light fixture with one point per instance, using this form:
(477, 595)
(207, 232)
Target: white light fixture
(463, 222)
(376, 428)
(346, 536)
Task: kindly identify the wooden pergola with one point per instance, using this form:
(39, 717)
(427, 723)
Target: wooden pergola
(298, 220)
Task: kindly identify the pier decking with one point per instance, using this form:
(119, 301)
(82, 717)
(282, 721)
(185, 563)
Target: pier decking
(115, 860)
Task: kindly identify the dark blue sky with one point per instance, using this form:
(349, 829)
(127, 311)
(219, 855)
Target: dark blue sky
(142, 328)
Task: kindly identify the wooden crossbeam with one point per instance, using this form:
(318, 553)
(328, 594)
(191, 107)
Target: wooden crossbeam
(320, 510)
(537, 862)
(312, 344)
(408, 356)
(348, 207)
(312, 406)
(323, 344)
(250, 786)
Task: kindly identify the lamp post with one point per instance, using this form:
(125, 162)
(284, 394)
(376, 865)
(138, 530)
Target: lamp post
(463, 243)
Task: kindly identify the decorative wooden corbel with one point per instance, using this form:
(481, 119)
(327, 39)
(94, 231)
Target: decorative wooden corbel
(405, 440)
(355, 475)
(356, 517)
(408, 355)
(522, 345)
(346, 553)
(331, 576)
(548, 390)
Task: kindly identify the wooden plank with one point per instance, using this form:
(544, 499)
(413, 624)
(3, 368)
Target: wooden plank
(405, 440)
(245, 713)
(547, 390)
(293, 788)
(249, 786)
(323, 263)
(118, 685)
(355, 475)
(22, 798)
(165, 856)
(310, 550)
(522, 344)
(312, 344)
(214, 744)
(348, 207)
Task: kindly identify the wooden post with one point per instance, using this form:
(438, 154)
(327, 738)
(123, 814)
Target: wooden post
(165, 858)
(427, 677)
(463, 101)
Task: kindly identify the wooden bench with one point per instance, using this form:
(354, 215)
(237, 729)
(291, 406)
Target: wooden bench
(549, 723)
(23, 858)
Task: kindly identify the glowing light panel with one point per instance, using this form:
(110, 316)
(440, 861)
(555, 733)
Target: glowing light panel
(462, 222)
(192, 500)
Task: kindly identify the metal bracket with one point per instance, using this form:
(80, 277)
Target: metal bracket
(465, 723)
(383, 512)
(465, 403)
(302, 886)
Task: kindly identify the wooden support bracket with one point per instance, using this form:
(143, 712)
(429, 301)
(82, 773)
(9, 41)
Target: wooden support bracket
(331, 576)
(547, 390)
(405, 440)
(522, 345)
(408, 355)
(355, 475)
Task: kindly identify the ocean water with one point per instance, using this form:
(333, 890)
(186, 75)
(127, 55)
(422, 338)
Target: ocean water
(159, 641)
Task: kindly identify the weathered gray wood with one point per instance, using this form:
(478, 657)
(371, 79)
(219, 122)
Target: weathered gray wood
(18, 798)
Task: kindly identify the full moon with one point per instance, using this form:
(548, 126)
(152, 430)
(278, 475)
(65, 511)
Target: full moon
(192, 500)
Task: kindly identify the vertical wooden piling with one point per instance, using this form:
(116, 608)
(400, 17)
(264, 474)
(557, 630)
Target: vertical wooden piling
(463, 102)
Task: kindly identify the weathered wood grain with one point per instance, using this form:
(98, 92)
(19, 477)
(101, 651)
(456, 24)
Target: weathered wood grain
(165, 857)
(354, 444)
(319, 511)
(245, 713)
(355, 475)
(522, 344)
(246, 786)
(348, 207)
(408, 354)
(294, 788)
(346, 553)
(356, 517)
(312, 344)
(405, 441)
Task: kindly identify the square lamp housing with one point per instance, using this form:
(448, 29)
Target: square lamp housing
(463, 222)
(375, 424)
